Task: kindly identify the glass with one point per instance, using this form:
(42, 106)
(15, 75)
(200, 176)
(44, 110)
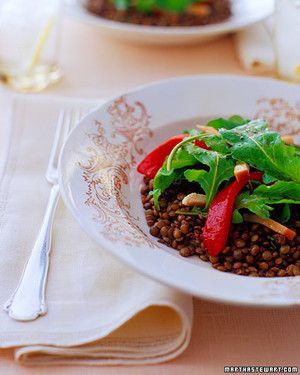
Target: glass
(287, 39)
(29, 36)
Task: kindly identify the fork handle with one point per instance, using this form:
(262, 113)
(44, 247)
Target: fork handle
(28, 300)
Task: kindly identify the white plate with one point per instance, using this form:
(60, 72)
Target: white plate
(100, 185)
(245, 13)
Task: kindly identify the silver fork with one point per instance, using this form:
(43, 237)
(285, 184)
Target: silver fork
(28, 300)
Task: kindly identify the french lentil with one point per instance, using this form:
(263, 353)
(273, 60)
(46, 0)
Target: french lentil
(251, 249)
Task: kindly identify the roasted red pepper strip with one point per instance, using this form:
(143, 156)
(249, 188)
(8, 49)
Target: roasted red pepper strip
(154, 161)
(216, 229)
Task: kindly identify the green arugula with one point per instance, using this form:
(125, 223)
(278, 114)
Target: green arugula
(264, 150)
(220, 169)
(174, 5)
(162, 181)
(122, 4)
(268, 179)
(194, 212)
(237, 217)
(285, 213)
(192, 132)
(248, 141)
(183, 158)
(213, 141)
(146, 6)
(216, 143)
(260, 201)
(280, 190)
(231, 123)
(164, 178)
(254, 203)
(238, 134)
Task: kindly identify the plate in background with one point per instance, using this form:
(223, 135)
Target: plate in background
(245, 13)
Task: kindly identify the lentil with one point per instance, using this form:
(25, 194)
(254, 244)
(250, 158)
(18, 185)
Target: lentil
(267, 255)
(177, 233)
(284, 249)
(240, 243)
(251, 250)
(185, 228)
(254, 250)
(164, 231)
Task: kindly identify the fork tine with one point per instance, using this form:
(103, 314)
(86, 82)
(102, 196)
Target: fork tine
(72, 121)
(66, 121)
(55, 145)
(83, 112)
(67, 125)
(77, 118)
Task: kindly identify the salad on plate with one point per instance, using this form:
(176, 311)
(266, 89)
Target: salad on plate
(228, 192)
(162, 12)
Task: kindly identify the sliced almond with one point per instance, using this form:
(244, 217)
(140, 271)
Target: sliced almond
(288, 139)
(208, 129)
(241, 171)
(194, 199)
(293, 140)
(199, 10)
(272, 224)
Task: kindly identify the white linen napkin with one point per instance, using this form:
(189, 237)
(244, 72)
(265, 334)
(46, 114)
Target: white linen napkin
(254, 47)
(99, 311)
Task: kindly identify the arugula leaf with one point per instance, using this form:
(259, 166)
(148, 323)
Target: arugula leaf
(267, 179)
(264, 150)
(192, 132)
(285, 213)
(145, 5)
(216, 143)
(220, 169)
(194, 175)
(231, 123)
(162, 181)
(149, 5)
(174, 5)
(238, 120)
(194, 212)
(279, 190)
(164, 178)
(156, 193)
(239, 133)
(122, 4)
(256, 204)
(237, 218)
(283, 201)
(183, 158)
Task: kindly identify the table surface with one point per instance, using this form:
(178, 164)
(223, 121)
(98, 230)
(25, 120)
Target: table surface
(244, 336)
